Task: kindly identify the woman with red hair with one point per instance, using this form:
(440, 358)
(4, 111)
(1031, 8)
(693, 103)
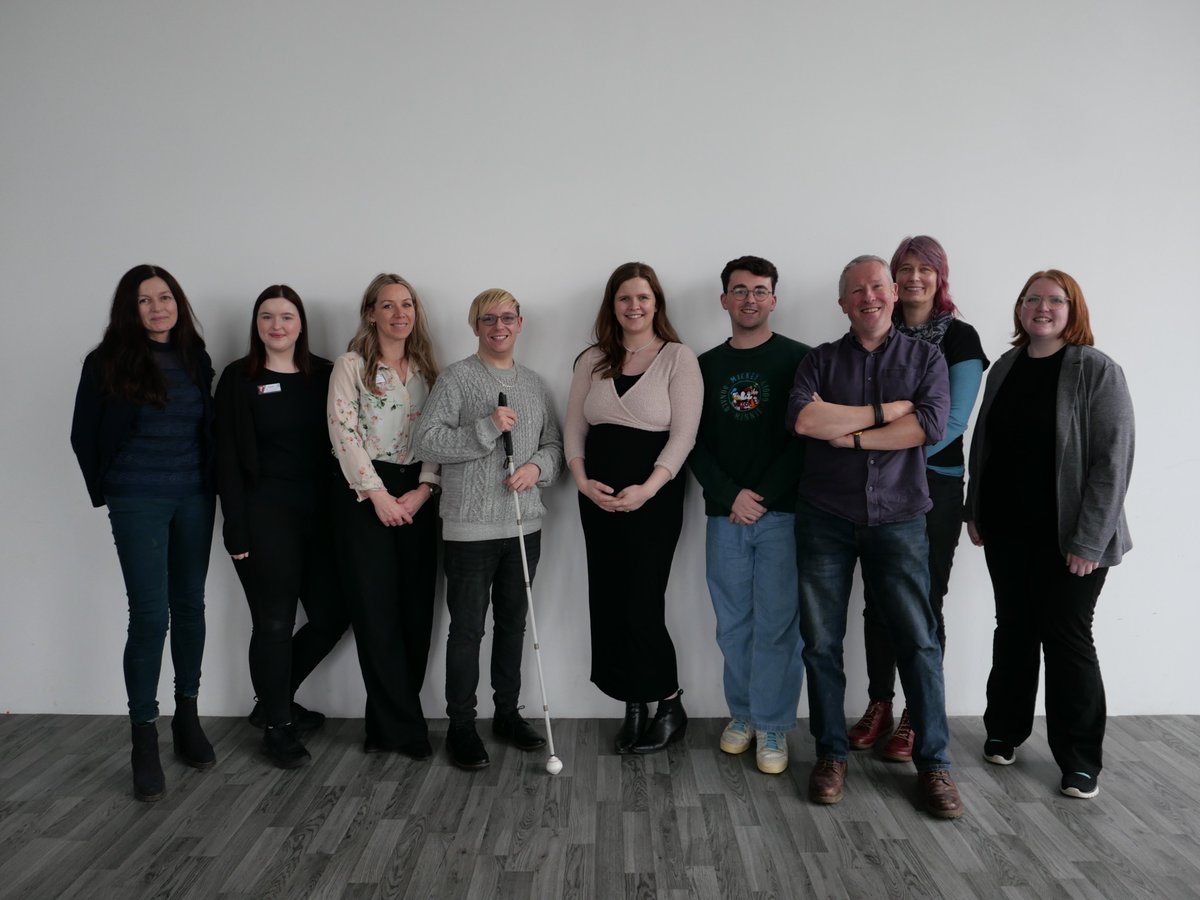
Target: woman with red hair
(1050, 462)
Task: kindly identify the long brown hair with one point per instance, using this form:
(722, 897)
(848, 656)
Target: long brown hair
(418, 348)
(607, 334)
(1079, 326)
(257, 357)
(127, 366)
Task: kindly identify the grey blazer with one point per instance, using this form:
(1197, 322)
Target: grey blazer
(1093, 439)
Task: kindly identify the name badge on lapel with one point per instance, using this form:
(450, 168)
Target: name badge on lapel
(270, 388)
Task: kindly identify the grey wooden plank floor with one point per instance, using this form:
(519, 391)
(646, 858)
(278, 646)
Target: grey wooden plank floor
(691, 822)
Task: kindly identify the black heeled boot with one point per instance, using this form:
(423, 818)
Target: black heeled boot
(148, 781)
(636, 715)
(669, 726)
(190, 743)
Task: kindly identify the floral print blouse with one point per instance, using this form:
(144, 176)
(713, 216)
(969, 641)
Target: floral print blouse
(365, 426)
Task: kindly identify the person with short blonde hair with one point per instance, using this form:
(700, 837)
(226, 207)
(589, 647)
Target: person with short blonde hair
(476, 401)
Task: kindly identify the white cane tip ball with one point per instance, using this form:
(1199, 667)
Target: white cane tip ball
(554, 765)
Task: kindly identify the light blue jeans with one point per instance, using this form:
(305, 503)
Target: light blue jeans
(895, 565)
(751, 573)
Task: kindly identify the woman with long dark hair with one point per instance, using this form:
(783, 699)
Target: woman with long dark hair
(142, 433)
(925, 310)
(1050, 462)
(274, 473)
(387, 528)
(632, 417)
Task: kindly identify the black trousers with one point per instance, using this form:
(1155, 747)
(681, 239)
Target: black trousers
(1041, 608)
(479, 573)
(291, 558)
(943, 525)
(391, 573)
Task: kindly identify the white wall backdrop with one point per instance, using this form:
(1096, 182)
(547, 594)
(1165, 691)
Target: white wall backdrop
(535, 146)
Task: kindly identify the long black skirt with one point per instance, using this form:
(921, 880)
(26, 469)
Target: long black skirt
(629, 563)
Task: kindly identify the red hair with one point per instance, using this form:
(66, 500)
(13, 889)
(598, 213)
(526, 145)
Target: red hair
(1079, 326)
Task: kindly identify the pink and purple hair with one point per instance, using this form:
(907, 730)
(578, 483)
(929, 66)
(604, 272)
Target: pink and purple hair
(930, 252)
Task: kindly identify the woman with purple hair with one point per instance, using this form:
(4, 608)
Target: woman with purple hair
(927, 312)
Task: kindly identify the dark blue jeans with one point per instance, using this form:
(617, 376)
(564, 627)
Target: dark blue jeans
(163, 544)
(895, 564)
(475, 572)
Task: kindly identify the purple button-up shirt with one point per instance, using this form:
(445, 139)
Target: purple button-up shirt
(871, 487)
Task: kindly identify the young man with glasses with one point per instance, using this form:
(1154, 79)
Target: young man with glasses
(461, 427)
(748, 464)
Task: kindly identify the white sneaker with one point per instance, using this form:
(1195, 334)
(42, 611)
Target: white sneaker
(736, 737)
(772, 753)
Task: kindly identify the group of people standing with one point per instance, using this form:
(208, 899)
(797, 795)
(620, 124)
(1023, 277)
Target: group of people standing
(332, 478)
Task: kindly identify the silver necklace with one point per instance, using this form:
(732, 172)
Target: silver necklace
(491, 371)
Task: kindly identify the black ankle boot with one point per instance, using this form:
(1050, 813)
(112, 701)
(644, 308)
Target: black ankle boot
(636, 715)
(190, 743)
(669, 725)
(281, 745)
(148, 781)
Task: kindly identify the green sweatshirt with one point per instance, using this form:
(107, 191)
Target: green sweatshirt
(743, 440)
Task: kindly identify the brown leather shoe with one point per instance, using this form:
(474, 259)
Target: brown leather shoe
(826, 781)
(875, 721)
(899, 747)
(939, 794)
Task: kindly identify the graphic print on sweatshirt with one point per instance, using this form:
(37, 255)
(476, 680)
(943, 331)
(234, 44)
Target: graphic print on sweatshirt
(744, 395)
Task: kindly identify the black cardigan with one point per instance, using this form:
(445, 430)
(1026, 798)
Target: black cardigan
(101, 424)
(237, 448)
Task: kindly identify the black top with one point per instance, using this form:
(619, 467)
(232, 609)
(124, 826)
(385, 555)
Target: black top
(1018, 483)
(272, 442)
(960, 343)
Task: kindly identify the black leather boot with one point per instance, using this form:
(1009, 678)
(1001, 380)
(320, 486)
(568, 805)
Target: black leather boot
(190, 743)
(636, 715)
(148, 781)
(669, 725)
(281, 745)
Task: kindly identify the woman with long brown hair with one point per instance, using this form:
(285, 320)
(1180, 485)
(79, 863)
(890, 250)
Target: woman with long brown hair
(274, 471)
(142, 434)
(631, 421)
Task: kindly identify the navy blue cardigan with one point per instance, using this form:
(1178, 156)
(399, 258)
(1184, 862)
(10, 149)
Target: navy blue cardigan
(101, 424)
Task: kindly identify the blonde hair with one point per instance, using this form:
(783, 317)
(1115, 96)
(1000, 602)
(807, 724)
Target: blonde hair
(488, 300)
(418, 348)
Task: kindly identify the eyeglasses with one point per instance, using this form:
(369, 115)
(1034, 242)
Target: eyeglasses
(489, 320)
(741, 293)
(1033, 300)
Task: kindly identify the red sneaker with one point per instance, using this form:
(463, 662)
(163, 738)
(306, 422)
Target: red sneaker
(875, 721)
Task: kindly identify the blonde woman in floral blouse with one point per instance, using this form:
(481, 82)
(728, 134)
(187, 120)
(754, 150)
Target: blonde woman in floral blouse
(386, 520)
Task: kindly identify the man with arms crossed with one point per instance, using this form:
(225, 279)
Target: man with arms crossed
(748, 463)
(867, 404)
(461, 428)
